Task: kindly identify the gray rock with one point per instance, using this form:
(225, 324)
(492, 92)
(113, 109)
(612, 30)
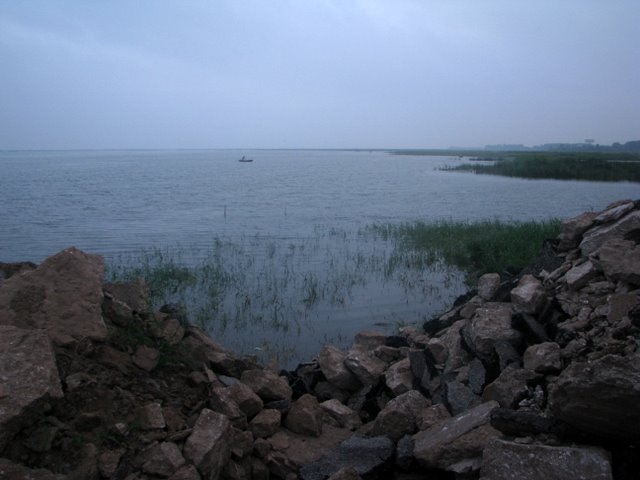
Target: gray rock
(305, 416)
(520, 423)
(400, 416)
(398, 377)
(265, 423)
(207, 447)
(62, 296)
(150, 417)
(620, 260)
(432, 415)
(458, 355)
(367, 456)
(343, 415)
(510, 387)
(109, 460)
(600, 397)
(543, 357)
(345, 474)
(504, 460)
(492, 324)
(186, 472)
(456, 444)
(365, 366)
(614, 211)
(221, 400)
(459, 397)
(368, 341)
(477, 376)
(438, 350)
(267, 385)
(598, 236)
(248, 401)
(571, 230)
(580, 275)
(529, 296)
(331, 362)
(488, 285)
(28, 378)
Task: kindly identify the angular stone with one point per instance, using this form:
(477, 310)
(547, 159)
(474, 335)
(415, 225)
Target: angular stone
(600, 397)
(620, 304)
(163, 459)
(267, 385)
(331, 361)
(520, 423)
(529, 296)
(146, 358)
(265, 423)
(456, 441)
(510, 387)
(305, 416)
(488, 285)
(28, 378)
(221, 400)
(207, 447)
(118, 312)
(571, 230)
(134, 293)
(62, 296)
(491, 324)
(432, 415)
(543, 357)
(366, 367)
(14, 471)
(150, 417)
(505, 460)
(477, 376)
(387, 354)
(598, 236)
(248, 401)
(459, 397)
(343, 415)
(437, 350)
(458, 355)
(615, 211)
(368, 457)
(400, 416)
(620, 260)
(170, 330)
(398, 377)
(580, 275)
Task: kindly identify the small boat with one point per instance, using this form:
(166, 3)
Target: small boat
(243, 159)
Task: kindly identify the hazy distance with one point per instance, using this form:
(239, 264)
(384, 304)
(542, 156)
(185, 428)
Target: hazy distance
(317, 74)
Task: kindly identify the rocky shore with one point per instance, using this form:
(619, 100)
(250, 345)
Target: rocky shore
(532, 376)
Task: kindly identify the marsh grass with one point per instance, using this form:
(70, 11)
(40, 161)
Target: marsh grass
(284, 298)
(474, 247)
(604, 167)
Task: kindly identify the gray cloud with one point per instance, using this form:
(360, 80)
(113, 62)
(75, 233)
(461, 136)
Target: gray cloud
(317, 74)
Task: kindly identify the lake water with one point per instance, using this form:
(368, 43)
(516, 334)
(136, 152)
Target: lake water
(290, 221)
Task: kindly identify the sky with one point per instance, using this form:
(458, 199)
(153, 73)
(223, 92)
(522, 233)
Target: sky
(317, 73)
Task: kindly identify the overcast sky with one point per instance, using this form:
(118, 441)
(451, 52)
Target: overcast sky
(317, 73)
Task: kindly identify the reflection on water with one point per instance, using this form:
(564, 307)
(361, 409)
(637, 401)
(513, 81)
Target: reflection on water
(285, 300)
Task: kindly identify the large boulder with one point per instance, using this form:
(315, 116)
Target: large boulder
(529, 296)
(305, 416)
(491, 324)
(331, 362)
(505, 460)
(267, 385)
(456, 444)
(600, 397)
(401, 416)
(598, 236)
(62, 296)
(28, 378)
(208, 445)
(620, 260)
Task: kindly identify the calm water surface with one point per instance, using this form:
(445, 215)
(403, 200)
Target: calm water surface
(295, 211)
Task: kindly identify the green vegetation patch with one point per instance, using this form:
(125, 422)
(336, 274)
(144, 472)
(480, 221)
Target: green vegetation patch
(607, 167)
(476, 248)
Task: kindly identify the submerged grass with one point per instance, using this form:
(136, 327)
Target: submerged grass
(606, 167)
(476, 248)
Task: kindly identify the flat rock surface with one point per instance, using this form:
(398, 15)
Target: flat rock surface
(504, 460)
(28, 377)
(63, 296)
